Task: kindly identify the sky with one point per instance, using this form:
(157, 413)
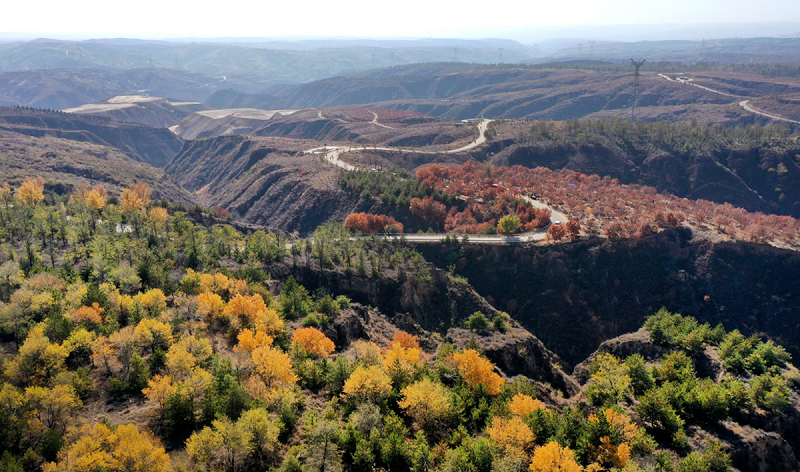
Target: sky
(165, 19)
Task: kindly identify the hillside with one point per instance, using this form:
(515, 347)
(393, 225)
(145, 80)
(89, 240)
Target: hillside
(69, 87)
(750, 168)
(143, 109)
(214, 122)
(502, 92)
(264, 181)
(155, 146)
(67, 164)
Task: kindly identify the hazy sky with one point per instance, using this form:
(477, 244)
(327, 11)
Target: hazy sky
(363, 18)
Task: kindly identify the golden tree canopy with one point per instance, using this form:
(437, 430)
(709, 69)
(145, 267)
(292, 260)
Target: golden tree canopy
(312, 341)
(425, 400)
(135, 198)
(510, 434)
(523, 405)
(249, 340)
(272, 367)
(367, 384)
(123, 449)
(553, 458)
(476, 370)
(31, 191)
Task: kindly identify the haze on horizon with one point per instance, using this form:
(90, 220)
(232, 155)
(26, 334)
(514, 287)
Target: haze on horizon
(514, 19)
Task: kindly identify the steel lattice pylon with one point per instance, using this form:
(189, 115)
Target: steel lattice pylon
(635, 96)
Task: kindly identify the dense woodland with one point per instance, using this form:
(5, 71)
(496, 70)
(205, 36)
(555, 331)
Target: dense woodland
(109, 299)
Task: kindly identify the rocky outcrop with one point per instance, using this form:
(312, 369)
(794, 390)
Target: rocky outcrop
(518, 352)
(577, 295)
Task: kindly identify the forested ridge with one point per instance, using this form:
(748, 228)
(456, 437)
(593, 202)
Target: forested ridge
(110, 300)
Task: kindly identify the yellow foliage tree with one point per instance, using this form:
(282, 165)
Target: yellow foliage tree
(217, 283)
(158, 215)
(123, 449)
(38, 360)
(209, 305)
(366, 352)
(269, 321)
(367, 384)
(31, 191)
(272, 369)
(95, 197)
(249, 340)
(475, 370)
(53, 407)
(523, 405)
(243, 310)
(153, 300)
(553, 458)
(135, 198)
(405, 356)
(312, 341)
(511, 434)
(153, 334)
(616, 452)
(425, 401)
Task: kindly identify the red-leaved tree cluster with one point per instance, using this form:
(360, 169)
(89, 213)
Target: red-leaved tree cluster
(369, 223)
(600, 204)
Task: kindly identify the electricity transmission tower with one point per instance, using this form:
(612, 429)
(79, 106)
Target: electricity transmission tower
(591, 45)
(501, 55)
(455, 53)
(635, 96)
(580, 47)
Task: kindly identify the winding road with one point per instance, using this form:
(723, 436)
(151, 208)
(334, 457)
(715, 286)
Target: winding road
(333, 153)
(744, 103)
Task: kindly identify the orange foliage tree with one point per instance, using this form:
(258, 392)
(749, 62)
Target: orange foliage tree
(135, 198)
(429, 210)
(476, 370)
(312, 341)
(368, 223)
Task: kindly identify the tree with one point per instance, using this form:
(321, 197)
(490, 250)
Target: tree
(556, 232)
(31, 191)
(249, 340)
(153, 334)
(367, 384)
(522, 405)
(553, 458)
(573, 228)
(312, 341)
(609, 382)
(475, 370)
(135, 198)
(426, 401)
(508, 224)
(271, 368)
(122, 449)
(405, 340)
(38, 360)
(511, 434)
(477, 321)
(429, 210)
